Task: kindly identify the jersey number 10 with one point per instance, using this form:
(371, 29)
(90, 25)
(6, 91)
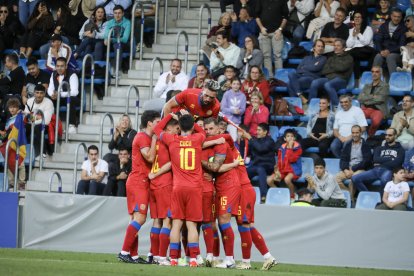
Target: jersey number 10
(187, 159)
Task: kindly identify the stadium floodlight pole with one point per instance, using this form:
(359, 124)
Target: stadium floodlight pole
(133, 87)
(85, 59)
(51, 181)
(200, 19)
(6, 165)
(151, 84)
(75, 165)
(42, 141)
(101, 131)
(177, 40)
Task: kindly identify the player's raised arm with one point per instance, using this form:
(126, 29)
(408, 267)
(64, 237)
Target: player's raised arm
(169, 106)
(148, 153)
(226, 167)
(165, 168)
(161, 125)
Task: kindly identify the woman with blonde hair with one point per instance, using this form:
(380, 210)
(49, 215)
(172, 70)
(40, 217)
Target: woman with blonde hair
(224, 24)
(123, 134)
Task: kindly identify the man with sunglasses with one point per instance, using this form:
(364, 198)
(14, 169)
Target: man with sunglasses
(199, 102)
(10, 27)
(388, 156)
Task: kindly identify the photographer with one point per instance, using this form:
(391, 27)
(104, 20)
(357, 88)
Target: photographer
(225, 54)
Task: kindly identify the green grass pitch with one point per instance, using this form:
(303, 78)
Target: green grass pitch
(39, 262)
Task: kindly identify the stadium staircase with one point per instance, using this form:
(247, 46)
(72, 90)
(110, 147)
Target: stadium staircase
(139, 75)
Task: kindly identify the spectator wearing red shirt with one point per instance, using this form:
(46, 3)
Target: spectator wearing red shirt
(256, 113)
(256, 81)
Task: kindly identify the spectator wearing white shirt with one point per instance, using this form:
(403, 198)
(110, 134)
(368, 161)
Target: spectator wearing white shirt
(67, 75)
(94, 174)
(174, 79)
(109, 7)
(345, 118)
(361, 42)
(324, 12)
(225, 54)
(396, 192)
(59, 49)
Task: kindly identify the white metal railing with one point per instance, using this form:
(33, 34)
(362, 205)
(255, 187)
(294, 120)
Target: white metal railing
(157, 6)
(117, 48)
(75, 165)
(185, 48)
(85, 59)
(200, 19)
(42, 141)
(141, 35)
(6, 165)
(51, 181)
(101, 130)
(165, 15)
(151, 85)
(58, 111)
(133, 87)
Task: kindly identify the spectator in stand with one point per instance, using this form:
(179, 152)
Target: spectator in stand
(387, 157)
(34, 77)
(118, 174)
(373, 99)
(271, 17)
(60, 49)
(92, 33)
(175, 79)
(256, 113)
(320, 129)
(94, 174)
(250, 55)
(245, 26)
(202, 73)
(381, 15)
(389, 39)
(403, 123)
(356, 157)
(345, 118)
(82, 9)
(396, 192)
(38, 31)
(360, 40)
(334, 30)
(121, 28)
(233, 106)
(26, 8)
(10, 28)
(224, 25)
(353, 7)
(324, 13)
(256, 82)
(12, 83)
(124, 135)
(409, 165)
(328, 191)
(337, 71)
(225, 54)
(305, 197)
(289, 162)
(407, 51)
(262, 157)
(309, 69)
(410, 10)
(111, 4)
(298, 14)
(149, 22)
(40, 102)
(62, 74)
(238, 5)
(225, 84)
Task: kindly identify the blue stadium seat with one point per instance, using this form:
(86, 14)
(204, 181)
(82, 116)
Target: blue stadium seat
(278, 196)
(349, 87)
(282, 74)
(274, 132)
(300, 130)
(410, 201)
(366, 78)
(257, 191)
(27, 160)
(97, 80)
(379, 132)
(313, 107)
(265, 72)
(332, 165)
(308, 45)
(367, 200)
(307, 168)
(347, 198)
(403, 5)
(42, 64)
(294, 101)
(400, 83)
(286, 48)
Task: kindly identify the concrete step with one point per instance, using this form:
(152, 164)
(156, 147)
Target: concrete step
(67, 176)
(89, 137)
(95, 119)
(67, 157)
(170, 39)
(193, 23)
(167, 57)
(190, 30)
(122, 91)
(143, 74)
(167, 49)
(116, 109)
(121, 101)
(92, 129)
(70, 148)
(195, 14)
(37, 186)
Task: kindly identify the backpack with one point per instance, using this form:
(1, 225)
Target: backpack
(281, 107)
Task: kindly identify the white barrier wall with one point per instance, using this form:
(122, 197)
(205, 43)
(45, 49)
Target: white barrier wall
(296, 235)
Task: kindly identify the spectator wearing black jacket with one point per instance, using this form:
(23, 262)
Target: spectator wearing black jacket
(12, 84)
(356, 157)
(10, 28)
(118, 174)
(262, 156)
(389, 39)
(386, 158)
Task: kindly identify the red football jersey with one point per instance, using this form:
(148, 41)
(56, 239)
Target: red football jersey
(161, 158)
(241, 169)
(185, 154)
(208, 186)
(227, 179)
(190, 99)
(140, 167)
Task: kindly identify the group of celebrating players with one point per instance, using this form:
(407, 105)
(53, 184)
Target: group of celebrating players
(190, 175)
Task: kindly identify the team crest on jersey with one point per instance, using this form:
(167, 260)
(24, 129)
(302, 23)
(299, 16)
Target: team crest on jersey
(142, 206)
(209, 112)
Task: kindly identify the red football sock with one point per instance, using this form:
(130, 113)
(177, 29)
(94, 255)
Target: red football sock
(246, 241)
(174, 250)
(216, 243)
(228, 238)
(194, 249)
(155, 241)
(164, 241)
(208, 237)
(134, 248)
(258, 241)
(130, 235)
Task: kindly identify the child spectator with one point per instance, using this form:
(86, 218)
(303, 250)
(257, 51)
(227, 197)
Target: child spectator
(233, 105)
(229, 74)
(304, 198)
(381, 15)
(289, 162)
(396, 192)
(329, 193)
